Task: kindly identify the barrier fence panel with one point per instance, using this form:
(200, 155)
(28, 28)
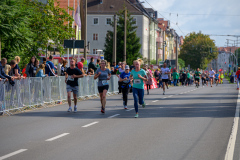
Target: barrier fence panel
(36, 91)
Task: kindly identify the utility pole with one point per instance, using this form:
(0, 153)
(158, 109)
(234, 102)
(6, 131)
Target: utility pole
(125, 36)
(115, 40)
(163, 46)
(149, 44)
(85, 42)
(177, 52)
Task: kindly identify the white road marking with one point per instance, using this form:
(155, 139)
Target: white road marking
(12, 154)
(155, 101)
(170, 96)
(114, 116)
(88, 125)
(160, 107)
(181, 93)
(232, 140)
(130, 109)
(164, 97)
(59, 136)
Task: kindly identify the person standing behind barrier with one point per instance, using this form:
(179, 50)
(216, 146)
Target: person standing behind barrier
(103, 74)
(50, 67)
(31, 67)
(149, 81)
(41, 71)
(138, 75)
(6, 67)
(165, 72)
(92, 65)
(98, 63)
(64, 68)
(59, 67)
(124, 78)
(71, 78)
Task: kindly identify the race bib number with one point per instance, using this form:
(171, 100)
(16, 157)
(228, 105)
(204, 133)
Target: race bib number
(104, 82)
(137, 81)
(70, 78)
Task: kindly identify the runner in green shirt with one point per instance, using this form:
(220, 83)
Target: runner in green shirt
(197, 77)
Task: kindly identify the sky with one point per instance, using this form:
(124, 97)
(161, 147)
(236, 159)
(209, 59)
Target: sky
(213, 23)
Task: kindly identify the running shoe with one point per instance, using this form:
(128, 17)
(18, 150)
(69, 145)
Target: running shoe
(75, 109)
(136, 116)
(70, 109)
(103, 110)
(163, 92)
(143, 105)
(167, 87)
(125, 107)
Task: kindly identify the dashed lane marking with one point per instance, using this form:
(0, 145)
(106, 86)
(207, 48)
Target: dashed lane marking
(155, 101)
(59, 136)
(88, 125)
(130, 109)
(12, 154)
(115, 115)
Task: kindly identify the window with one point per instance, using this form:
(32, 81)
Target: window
(108, 20)
(95, 21)
(94, 51)
(95, 36)
(134, 21)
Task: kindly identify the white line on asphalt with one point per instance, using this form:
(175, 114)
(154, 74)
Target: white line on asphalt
(88, 125)
(155, 101)
(147, 104)
(170, 96)
(114, 116)
(181, 93)
(59, 136)
(12, 154)
(130, 109)
(164, 97)
(232, 140)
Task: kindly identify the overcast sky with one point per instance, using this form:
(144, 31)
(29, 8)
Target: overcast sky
(207, 24)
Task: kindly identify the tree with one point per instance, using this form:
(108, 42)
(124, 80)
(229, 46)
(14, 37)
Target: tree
(181, 63)
(26, 26)
(198, 50)
(133, 42)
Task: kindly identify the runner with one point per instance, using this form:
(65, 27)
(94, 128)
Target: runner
(197, 77)
(207, 77)
(216, 78)
(238, 77)
(203, 78)
(211, 74)
(221, 77)
(124, 78)
(103, 74)
(71, 78)
(165, 71)
(138, 75)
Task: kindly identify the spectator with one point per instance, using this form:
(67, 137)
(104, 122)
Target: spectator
(92, 65)
(31, 67)
(50, 69)
(41, 71)
(108, 65)
(112, 71)
(13, 72)
(6, 67)
(24, 71)
(113, 65)
(80, 65)
(59, 67)
(98, 63)
(17, 70)
(90, 71)
(64, 68)
(175, 77)
(3, 74)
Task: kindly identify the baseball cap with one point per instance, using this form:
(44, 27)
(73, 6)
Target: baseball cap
(127, 67)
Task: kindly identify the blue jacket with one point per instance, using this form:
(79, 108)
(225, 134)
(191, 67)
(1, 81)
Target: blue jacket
(40, 73)
(2, 73)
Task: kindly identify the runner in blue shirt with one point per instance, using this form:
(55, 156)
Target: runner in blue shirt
(124, 78)
(216, 78)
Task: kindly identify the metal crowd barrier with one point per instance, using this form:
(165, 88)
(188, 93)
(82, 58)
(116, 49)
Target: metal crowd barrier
(34, 91)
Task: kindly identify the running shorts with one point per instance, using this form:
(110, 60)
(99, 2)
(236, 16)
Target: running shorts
(101, 88)
(72, 89)
(165, 80)
(197, 79)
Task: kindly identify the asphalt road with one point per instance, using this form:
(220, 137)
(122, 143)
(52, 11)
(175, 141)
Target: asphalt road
(185, 124)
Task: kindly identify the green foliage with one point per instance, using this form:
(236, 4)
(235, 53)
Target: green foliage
(133, 42)
(196, 50)
(237, 52)
(181, 63)
(26, 26)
